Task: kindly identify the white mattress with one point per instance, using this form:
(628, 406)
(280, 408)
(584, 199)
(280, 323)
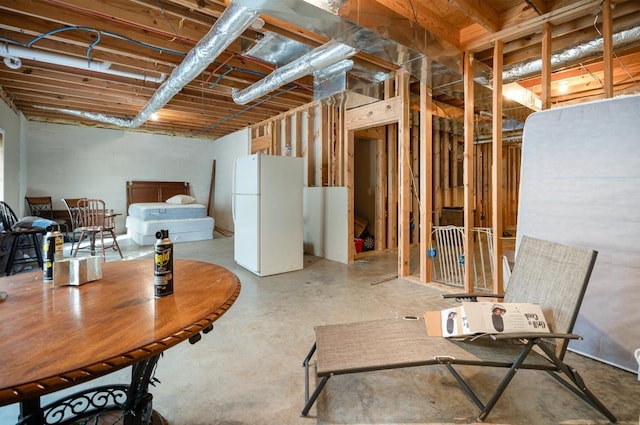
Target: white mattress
(164, 211)
(579, 185)
(185, 230)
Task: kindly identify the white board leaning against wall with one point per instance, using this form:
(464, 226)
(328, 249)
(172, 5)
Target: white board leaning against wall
(580, 185)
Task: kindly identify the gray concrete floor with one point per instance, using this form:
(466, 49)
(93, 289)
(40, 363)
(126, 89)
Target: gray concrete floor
(249, 369)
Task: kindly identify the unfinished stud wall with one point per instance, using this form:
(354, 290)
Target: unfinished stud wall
(315, 132)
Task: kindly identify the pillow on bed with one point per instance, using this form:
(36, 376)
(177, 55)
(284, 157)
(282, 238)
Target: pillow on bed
(181, 199)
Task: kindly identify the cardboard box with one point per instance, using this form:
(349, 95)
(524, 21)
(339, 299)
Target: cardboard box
(472, 318)
(77, 271)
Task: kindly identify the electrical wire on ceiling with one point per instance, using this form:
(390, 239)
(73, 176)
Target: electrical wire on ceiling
(100, 33)
(166, 18)
(242, 111)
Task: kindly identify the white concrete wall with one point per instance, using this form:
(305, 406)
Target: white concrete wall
(69, 161)
(11, 125)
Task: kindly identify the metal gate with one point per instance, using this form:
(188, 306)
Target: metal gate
(449, 257)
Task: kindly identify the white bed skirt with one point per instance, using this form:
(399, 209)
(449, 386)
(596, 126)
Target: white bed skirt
(187, 230)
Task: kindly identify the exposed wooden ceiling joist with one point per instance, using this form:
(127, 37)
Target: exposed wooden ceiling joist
(151, 37)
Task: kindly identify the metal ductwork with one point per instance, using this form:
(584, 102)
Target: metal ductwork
(13, 54)
(316, 60)
(231, 24)
(570, 56)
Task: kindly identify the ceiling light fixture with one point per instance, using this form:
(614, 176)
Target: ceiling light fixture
(563, 87)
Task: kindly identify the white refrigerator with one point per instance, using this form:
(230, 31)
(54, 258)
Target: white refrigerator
(267, 214)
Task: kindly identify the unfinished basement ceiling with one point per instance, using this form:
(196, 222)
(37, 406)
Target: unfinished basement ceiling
(141, 42)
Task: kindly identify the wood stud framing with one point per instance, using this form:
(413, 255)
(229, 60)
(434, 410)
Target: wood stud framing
(468, 170)
(496, 168)
(416, 160)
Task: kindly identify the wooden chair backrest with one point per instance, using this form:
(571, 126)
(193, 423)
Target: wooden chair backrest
(92, 212)
(40, 206)
(72, 209)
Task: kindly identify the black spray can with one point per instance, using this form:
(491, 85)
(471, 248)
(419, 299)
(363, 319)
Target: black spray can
(52, 244)
(163, 265)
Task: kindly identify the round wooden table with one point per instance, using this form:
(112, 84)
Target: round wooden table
(56, 337)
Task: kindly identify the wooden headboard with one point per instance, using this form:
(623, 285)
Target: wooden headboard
(152, 191)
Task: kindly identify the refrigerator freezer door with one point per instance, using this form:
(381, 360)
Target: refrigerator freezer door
(247, 175)
(246, 248)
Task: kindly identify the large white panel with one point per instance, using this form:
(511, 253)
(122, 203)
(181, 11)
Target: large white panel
(579, 185)
(325, 222)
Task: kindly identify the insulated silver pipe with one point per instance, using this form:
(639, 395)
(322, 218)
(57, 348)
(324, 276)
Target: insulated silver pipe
(317, 59)
(231, 24)
(570, 56)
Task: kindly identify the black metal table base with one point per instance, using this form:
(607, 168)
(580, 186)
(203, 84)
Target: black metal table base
(133, 402)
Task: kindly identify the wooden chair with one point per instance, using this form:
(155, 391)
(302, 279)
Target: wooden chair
(21, 238)
(94, 221)
(74, 218)
(42, 206)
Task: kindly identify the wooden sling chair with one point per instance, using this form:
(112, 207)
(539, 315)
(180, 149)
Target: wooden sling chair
(552, 275)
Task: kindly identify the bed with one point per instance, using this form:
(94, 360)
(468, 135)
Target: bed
(148, 212)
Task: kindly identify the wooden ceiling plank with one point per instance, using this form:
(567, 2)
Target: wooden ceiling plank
(571, 32)
(480, 12)
(513, 30)
(393, 13)
(547, 34)
(539, 6)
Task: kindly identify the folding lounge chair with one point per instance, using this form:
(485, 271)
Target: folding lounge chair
(552, 275)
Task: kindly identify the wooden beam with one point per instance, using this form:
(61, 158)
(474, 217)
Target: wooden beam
(426, 182)
(349, 144)
(398, 18)
(496, 169)
(516, 29)
(404, 177)
(381, 194)
(468, 171)
(546, 65)
(607, 35)
(374, 114)
(392, 186)
(480, 12)
(311, 146)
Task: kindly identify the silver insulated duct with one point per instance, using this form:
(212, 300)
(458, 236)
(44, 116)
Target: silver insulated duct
(316, 60)
(231, 24)
(570, 56)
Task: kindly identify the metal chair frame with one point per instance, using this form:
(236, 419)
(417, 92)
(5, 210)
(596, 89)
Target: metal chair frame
(553, 275)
